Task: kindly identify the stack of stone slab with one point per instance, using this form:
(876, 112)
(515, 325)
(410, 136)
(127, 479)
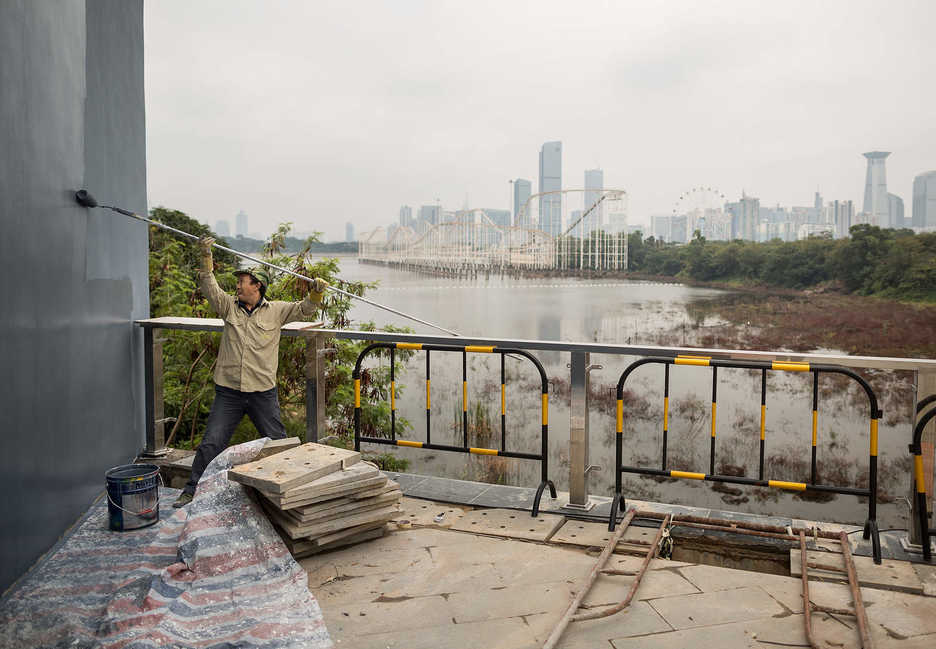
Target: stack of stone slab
(321, 497)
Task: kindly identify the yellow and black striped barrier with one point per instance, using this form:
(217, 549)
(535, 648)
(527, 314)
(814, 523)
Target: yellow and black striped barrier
(919, 478)
(870, 531)
(542, 456)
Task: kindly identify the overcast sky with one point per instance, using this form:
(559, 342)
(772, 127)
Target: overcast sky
(325, 112)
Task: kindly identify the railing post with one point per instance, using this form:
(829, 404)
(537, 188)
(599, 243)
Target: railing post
(153, 386)
(315, 386)
(925, 386)
(578, 433)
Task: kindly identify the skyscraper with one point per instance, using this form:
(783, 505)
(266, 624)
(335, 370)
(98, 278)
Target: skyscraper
(842, 217)
(430, 214)
(924, 200)
(521, 194)
(240, 224)
(223, 228)
(875, 196)
(749, 217)
(550, 180)
(349, 231)
(895, 211)
(406, 216)
(594, 184)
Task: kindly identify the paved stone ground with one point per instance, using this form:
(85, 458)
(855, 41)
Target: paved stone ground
(444, 588)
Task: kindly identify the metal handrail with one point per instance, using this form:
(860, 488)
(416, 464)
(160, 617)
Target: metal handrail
(543, 456)
(856, 362)
(870, 528)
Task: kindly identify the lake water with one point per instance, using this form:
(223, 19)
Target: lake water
(625, 312)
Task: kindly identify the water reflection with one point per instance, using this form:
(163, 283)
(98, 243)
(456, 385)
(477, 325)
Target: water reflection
(620, 312)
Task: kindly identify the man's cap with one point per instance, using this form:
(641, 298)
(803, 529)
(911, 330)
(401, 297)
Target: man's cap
(259, 273)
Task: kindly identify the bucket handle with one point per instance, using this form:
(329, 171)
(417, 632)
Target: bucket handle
(145, 511)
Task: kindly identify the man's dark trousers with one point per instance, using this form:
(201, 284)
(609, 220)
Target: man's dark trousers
(228, 409)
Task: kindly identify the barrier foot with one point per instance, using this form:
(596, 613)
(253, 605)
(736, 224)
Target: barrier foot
(539, 495)
(616, 504)
(871, 531)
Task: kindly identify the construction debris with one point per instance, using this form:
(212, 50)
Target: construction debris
(320, 497)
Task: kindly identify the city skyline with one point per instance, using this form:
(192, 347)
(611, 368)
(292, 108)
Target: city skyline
(328, 139)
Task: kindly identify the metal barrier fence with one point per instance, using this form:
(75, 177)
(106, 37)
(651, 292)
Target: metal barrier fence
(870, 528)
(919, 484)
(465, 350)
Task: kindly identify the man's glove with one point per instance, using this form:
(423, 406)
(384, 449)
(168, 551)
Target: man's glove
(207, 263)
(317, 289)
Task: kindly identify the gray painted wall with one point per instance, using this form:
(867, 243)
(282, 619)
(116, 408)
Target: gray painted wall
(71, 389)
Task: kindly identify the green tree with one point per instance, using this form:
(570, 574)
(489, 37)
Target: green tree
(189, 357)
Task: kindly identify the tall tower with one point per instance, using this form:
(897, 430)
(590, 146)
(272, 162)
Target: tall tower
(240, 224)
(521, 194)
(875, 196)
(550, 180)
(924, 200)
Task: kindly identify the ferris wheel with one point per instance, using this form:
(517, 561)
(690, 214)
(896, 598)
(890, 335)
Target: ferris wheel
(703, 208)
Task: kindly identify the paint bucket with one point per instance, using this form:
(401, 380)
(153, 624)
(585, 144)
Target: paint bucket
(132, 496)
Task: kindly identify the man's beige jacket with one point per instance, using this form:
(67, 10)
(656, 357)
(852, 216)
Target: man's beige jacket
(249, 353)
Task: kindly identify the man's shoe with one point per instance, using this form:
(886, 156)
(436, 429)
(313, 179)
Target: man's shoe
(184, 499)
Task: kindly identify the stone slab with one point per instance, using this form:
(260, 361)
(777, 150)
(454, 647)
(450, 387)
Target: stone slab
(927, 575)
(891, 574)
(714, 578)
(321, 528)
(446, 490)
(509, 523)
(275, 446)
(639, 619)
(289, 469)
(358, 477)
(611, 589)
(357, 618)
(424, 513)
(317, 512)
(704, 609)
(511, 601)
(586, 534)
(301, 549)
(506, 633)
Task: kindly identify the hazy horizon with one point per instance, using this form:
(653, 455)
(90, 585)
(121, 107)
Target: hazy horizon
(326, 112)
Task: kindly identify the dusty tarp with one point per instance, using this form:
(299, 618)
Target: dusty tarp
(212, 574)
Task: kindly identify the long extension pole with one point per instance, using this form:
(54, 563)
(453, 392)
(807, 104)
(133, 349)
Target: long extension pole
(86, 200)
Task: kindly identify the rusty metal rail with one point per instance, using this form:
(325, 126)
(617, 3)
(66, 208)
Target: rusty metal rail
(571, 615)
(858, 612)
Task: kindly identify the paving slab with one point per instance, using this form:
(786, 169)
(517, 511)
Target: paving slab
(351, 619)
(900, 614)
(611, 589)
(542, 564)
(585, 534)
(509, 523)
(490, 634)
(424, 512)
(505, 496)
(638, 619)
(511, 601)
(713, 578)
(445, 490)
(705, 609)
(891, 574)
(927, 575)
